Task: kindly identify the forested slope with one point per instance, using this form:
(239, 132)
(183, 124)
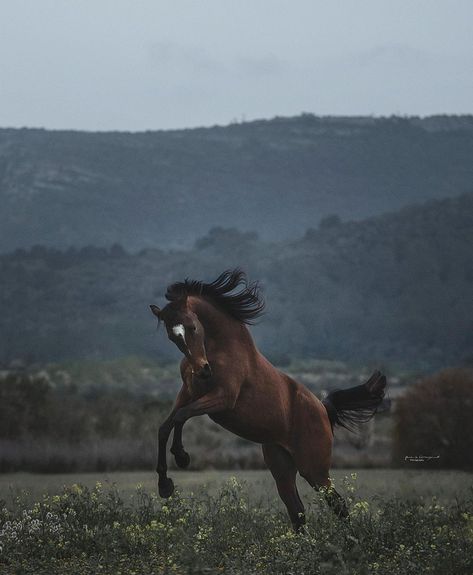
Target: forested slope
(393, 288)
(277, 177)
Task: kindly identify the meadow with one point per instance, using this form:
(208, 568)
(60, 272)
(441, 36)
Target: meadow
(401, 522)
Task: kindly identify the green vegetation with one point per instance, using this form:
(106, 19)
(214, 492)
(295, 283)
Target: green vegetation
(83, 530)
(420, 484)
(394, 289)
(96, 416)
(136, 376)
(46, 428)
(105, 416)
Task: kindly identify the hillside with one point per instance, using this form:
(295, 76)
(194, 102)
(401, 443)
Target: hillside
(276, 177)
(393, 288)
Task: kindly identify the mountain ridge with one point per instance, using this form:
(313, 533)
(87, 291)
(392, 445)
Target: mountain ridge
(277, 177)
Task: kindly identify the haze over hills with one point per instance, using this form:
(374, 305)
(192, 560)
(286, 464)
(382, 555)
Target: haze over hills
(276, 177)
(392, 288)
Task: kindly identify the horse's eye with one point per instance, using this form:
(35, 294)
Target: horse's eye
(193, 328)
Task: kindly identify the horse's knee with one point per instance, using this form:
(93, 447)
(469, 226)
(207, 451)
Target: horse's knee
(181, 457)
(315, 479)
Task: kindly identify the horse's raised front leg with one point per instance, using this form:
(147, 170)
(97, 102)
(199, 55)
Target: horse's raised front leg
(212, 402)
(181, 456)
(165, 484)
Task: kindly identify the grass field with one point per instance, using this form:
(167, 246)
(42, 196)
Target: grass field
(386, 483)
(401, 523)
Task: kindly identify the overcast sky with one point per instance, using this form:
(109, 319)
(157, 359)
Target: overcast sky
(150, 64)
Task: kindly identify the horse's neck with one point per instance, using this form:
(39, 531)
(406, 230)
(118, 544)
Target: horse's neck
(221, 331)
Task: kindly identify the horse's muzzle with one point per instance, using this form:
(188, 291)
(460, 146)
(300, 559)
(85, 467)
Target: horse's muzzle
(205, 372)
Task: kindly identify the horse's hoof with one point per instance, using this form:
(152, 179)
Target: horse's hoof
(166, 488)
(182, 459)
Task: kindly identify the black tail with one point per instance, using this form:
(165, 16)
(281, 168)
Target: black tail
(350, 407)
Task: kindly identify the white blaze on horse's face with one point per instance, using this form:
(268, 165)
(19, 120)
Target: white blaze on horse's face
(188, 335)
(179, 331)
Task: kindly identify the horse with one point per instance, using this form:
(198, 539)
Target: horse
(225, 376)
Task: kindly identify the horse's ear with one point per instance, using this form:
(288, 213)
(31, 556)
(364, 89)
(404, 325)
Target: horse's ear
(155, 309)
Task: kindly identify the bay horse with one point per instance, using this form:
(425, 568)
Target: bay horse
(225, 376)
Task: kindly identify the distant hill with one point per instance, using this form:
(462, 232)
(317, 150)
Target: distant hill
(275, 177)
(394, 288)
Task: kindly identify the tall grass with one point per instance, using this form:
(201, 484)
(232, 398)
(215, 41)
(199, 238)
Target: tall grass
(94, 530)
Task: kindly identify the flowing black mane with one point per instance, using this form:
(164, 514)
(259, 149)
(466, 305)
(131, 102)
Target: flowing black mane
(244, 305)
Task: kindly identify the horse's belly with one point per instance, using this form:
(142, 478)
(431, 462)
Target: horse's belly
(257, 430)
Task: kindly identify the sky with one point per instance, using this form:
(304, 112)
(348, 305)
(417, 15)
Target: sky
(148, 64)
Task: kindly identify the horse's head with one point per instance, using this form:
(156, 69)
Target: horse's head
(185, 330)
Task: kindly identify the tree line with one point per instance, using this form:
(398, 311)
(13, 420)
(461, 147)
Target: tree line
(390, 289)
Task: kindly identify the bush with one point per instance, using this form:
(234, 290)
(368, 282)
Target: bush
(434, 423)
(50, 428)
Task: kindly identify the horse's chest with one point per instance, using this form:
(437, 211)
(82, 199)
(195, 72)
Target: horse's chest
(197, 387)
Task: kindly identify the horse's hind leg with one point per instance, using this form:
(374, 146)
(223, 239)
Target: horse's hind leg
(283, 469)
(312, 473)
(312, 451)
(336, 502)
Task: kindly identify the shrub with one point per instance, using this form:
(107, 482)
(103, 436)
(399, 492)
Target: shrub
(434, 421)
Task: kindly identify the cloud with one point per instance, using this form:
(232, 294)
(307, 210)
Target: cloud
(266, 65)
(393, 54)
(171, 54)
